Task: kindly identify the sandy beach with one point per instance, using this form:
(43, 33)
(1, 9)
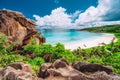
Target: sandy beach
(97, 41)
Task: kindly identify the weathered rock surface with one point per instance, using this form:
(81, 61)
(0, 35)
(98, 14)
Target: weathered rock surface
(91, 68)
(61, 70)
(17, 71)
(18, 28)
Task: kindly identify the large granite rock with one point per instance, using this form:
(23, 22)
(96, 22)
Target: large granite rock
(85, 67)
(61, 70)
(18, 28)
(17, 71)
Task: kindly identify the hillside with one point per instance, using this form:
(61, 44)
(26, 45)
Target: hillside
(108, 29)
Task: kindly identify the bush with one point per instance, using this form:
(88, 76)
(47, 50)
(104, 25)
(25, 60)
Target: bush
(37, 61)
(45, 49)
(95, 60)
(11, 58)
(5, 49)
(32, 47)
(39, 50)
(3, 39)
(57, 51)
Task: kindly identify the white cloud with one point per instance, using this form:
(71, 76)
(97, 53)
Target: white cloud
(57, 18)
(106, 23)
(106, 10)
(99, 23)
(76, 14)
(105, 13)
(90, 15)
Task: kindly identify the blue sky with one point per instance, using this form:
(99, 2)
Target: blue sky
(44, 7)
(67, 13)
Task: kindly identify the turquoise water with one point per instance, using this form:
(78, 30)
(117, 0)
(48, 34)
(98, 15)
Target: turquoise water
(67, 36)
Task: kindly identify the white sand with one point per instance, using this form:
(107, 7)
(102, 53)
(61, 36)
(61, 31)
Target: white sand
(98, 41)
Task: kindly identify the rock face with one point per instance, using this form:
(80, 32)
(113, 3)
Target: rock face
(91, 68)
(18, 28)
(61, 70)
(17, 71)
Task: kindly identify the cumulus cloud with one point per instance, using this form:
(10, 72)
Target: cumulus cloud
(75, 15)
(113, 10)
(105, 13)
(107, 10)
(57, 18)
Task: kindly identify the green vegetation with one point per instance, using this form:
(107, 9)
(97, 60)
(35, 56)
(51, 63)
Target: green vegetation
(108, 29)
(105, 55)
(3, 49)
(108, 54)
(7, 55)
(52, 52)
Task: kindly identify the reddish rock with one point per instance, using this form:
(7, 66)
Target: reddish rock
(91, 68)
(21, 66)
(62, 70)
(17, 71)
(43, 73)
(18, 28)
(59, 70)
(60, 63)
(48, 57)
(30, 55)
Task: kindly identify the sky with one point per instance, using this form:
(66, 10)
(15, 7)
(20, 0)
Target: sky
(67, 13)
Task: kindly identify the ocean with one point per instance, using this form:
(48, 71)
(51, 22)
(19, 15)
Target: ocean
(67, 36)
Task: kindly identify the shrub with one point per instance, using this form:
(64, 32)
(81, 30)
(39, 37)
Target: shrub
(46, 49)
(5, 48)
(3, 39)
(58, 51)
(95, 60)
(32, 47)
(11, 58)
(37, 61)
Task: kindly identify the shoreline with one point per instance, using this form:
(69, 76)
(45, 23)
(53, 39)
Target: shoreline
(106, 38)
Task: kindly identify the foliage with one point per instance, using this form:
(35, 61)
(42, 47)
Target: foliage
(105, 55)
(3, 39)
(114, 61)
(7, 59)
(4, 47)
(7, 56)
(107, 29)
(108, 54)
(58, 51)
(36, 63)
